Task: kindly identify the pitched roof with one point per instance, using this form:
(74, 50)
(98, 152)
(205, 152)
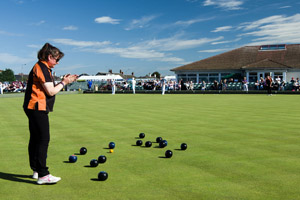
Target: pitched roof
(265, 64)
(248, 57)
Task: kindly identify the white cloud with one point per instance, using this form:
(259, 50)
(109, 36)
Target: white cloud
(192, 21)
(258, 23)
(9, 34)
(226, 41)
(12, 59)
(154, 50)
(176, 43)
(71, 42)
(274, 29)
(140, 23)
(107, 20)
(70, 28)
(225, 4)
(285, 7)
(222, 29)
(38, 23)
(134, 51)
(140, 53)
(213, 50)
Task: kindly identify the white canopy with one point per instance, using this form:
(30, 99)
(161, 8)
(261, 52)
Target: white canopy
(170, 78)
(101, 77)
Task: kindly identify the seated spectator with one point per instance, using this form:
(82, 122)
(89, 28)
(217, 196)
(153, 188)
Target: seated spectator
(125, 86)
(297, 84)
(203, 86)
(245, 84)
(257, 85)
(171, 85)
(282, 86)
(293, 84)
(225, 84)
(191, 85)
(215, 85)
(278, 80)
(220, 86)
(262, 83)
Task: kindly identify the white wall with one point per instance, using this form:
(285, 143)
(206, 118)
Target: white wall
(289, 75)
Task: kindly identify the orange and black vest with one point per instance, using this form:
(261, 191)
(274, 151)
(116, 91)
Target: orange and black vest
(36, 97)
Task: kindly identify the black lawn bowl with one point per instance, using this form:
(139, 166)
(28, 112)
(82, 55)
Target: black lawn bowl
(72, 159)
(168, 154)
(163, 143)
(101, 159)
(139, 142)
(148, 144)
(83, 151)
(111, 145)
(183, 146)
(142, 135)
(158, 139)
(102, 176)
(94, 163)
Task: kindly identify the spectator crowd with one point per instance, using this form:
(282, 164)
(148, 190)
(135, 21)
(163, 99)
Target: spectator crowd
(173, 85)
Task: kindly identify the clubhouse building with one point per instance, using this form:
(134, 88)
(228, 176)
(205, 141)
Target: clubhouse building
(252, 62)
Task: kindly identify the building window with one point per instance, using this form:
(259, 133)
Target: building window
(272, 47)
(203, 77)
(213, 77)
(252, 77)
(182, 77)
(192, 77)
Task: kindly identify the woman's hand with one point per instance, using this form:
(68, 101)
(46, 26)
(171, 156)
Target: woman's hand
(67, 79)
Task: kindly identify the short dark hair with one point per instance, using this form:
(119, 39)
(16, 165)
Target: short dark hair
(47, 50)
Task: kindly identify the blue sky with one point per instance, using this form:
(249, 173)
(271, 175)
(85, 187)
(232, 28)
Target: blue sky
(140, 36)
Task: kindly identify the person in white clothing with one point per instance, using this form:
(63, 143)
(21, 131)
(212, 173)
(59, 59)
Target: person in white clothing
(113, 86)
(163, 86)
(1, 88)
(278, 80)
(133, 85)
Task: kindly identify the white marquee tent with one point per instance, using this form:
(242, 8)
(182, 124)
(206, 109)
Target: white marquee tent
(102, 77)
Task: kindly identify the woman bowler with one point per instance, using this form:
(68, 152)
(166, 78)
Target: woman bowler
(38, 102)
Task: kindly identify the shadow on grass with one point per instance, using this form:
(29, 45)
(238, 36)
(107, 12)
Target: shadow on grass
(77, 154)
(16, 177)
(89, 166)
(134, 145)
(106, 148)
(162, 157)
(178, 149)
(68, 162)
(145, 147)
(95, 179)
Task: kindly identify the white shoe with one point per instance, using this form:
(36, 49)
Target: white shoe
(35, 175)
(49, 179)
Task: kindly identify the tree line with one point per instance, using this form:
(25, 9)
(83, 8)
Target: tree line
(7, 75)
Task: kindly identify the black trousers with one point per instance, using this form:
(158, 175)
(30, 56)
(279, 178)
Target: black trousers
(39, 140)
(269, 89)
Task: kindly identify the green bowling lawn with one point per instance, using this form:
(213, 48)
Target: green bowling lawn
(239, 147)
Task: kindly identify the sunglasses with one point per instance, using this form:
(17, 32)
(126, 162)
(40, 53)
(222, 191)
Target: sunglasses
(56, 59)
